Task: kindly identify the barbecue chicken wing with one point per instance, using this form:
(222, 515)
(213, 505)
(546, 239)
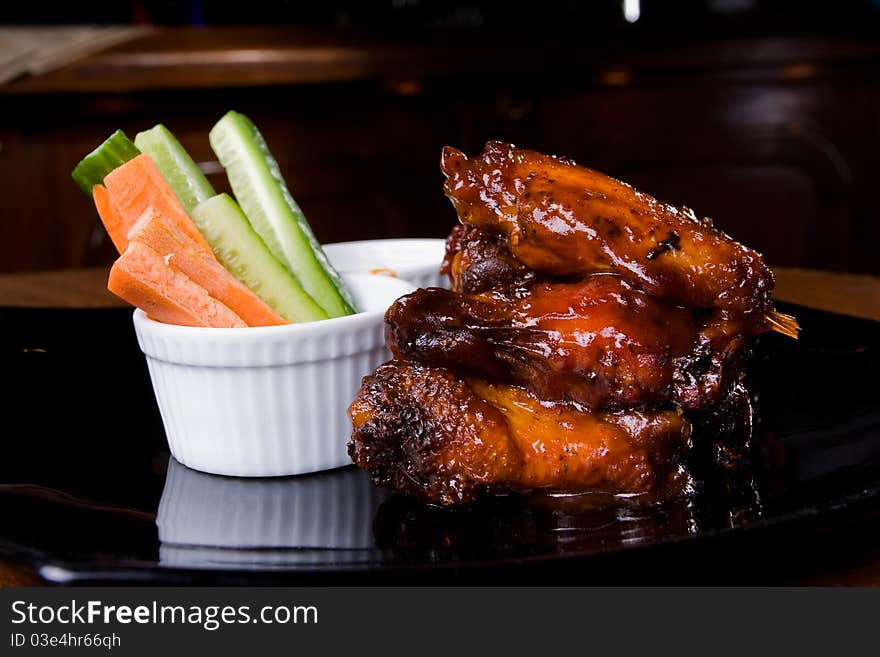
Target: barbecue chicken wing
(422, 431)
(588, 329)
(564, 219)
(598, 342)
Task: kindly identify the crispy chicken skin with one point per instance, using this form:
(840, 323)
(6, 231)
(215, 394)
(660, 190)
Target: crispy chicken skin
(598, 342)
(564, 219)
(422, 431)
(477, 261)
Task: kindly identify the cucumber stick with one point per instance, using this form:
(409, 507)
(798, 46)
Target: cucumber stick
(176, 166)
(116, 150)
(260, 190)
(246, 256)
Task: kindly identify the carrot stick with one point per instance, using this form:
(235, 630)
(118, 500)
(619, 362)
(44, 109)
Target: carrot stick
(141, 277)
(137, 185)
(181, 252)
(110, 217)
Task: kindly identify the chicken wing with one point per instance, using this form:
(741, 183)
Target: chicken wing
(589, 328)
(422, 431)
(598, 342)
(564, 219)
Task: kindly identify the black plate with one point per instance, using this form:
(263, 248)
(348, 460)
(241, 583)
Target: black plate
(89, 493)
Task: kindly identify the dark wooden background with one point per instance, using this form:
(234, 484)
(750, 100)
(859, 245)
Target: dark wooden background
(775, 138)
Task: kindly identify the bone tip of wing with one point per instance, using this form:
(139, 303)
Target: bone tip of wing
(782, 323)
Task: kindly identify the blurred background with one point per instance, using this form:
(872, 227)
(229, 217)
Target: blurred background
(764, 115)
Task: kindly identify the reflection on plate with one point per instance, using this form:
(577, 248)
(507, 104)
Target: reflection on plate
(206, 519)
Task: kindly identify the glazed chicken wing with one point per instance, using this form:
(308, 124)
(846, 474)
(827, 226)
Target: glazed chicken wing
(598, 342)
(588, 329)
(422, 431)
(564, 219)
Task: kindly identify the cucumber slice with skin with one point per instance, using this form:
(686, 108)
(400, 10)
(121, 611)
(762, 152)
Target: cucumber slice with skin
(260, 190)
(116, 150)
(239, 249)
(176, 166)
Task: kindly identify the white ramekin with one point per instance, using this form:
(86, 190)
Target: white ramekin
(266, 401)
(415, 260)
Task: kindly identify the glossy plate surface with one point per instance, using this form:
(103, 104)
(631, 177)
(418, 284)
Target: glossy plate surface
(88, 492)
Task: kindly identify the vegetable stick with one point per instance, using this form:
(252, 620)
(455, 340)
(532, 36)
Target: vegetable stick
(137, 185)
(179, 251)
(141, 277)
(113, 222)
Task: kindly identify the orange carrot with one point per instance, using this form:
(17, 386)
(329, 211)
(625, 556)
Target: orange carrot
(137, 185)
(141, 277)
(110, 217)
(182, 253)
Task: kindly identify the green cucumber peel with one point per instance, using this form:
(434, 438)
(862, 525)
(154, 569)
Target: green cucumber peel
(259, 187)
(115, 151)
(176, 166)
(244, 254)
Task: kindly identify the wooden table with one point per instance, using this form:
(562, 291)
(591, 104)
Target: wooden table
(851, 294)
